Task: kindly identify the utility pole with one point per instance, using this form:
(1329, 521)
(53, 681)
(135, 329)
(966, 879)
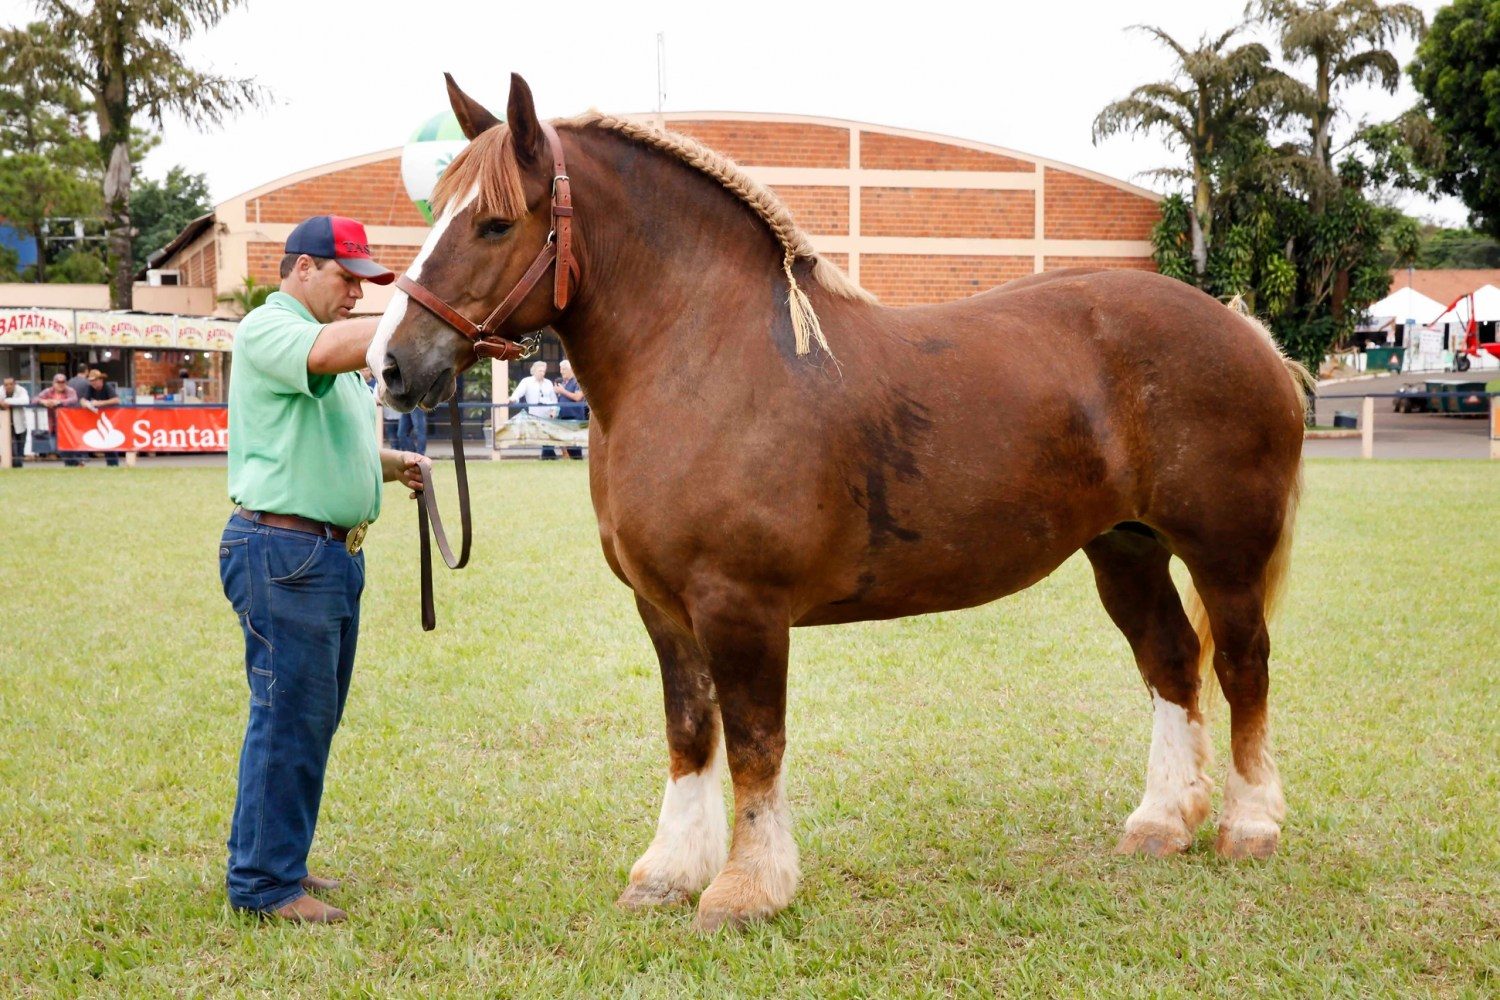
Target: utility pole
(661, 78)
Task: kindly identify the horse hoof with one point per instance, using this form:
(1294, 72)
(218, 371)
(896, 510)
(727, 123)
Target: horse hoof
(1255, 843)
(1153, 840)
(642, 895)
(710, 920)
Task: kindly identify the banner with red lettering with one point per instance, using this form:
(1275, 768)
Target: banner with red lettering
(142, 428)
(36, 326)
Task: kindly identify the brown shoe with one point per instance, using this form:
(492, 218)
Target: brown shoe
(313, 883)
(306, 910)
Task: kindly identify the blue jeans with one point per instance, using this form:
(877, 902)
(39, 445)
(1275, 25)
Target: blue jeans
(411, 431)
(297, 598)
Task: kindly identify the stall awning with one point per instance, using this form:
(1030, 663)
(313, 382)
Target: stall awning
(1407, 304)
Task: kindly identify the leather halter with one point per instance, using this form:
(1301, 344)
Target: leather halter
(488, 341)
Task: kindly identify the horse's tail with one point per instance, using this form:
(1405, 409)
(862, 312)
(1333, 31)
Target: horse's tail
(1281, 557)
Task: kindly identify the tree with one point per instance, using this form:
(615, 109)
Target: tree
(1442, 247)
(125, 55)
(1295, 227)
(10, 264)
(48, 166)
(250, 295)
(160, 209)
(79, 267)
(1213, 98)
(1457, 72)
(1345, 41)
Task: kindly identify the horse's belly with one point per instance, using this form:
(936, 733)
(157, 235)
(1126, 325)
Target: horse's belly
(924, 580)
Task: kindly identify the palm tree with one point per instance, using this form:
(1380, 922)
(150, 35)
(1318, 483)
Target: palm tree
(1346, 42)
(126, 54)
(1214, 98)
(251, 294)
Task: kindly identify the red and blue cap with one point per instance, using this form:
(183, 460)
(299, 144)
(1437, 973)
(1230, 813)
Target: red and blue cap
(341, 240)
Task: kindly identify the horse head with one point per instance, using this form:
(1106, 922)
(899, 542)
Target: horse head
(497, 216)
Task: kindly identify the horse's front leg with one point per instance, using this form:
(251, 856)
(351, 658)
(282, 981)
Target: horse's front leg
(691, 835)
(746, 644)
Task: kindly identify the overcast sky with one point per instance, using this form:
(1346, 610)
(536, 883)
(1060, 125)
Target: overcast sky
(353, 78)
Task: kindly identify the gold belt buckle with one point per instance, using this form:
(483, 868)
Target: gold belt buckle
(356, 537)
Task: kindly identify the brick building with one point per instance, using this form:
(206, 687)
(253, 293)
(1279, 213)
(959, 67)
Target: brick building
(913, 217)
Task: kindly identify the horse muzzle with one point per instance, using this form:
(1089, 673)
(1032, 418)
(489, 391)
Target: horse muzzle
(416, 382)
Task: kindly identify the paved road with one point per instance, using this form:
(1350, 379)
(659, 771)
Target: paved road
(1403, 435)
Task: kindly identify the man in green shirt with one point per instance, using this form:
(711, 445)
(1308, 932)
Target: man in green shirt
(305, 473)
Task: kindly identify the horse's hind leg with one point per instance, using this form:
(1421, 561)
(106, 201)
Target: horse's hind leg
(1131, 570)
(691, 835)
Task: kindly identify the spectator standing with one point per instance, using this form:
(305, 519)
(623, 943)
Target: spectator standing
(101, 394)
(411, 431)
(13, 400)
(571, 405)
(80, 383)
(540, 397)
(60, 394)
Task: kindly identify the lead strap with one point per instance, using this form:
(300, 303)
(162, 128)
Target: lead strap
(430, 523)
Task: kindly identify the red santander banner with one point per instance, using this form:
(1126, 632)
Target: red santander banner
(142, 428)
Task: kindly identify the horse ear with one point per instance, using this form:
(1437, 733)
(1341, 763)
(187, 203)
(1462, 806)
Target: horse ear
(472, 116)
(520, 115)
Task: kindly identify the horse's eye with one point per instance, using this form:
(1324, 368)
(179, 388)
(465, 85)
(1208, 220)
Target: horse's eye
(493, 229)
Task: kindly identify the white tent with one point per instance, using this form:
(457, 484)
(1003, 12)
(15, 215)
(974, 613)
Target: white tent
(1407, 303)
(1487, 303)
(1486, 307)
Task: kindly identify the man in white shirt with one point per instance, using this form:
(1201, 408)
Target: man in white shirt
(536, 389)
(13, 400)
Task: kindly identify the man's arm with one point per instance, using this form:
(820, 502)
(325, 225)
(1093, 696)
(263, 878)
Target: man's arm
(574, 396)
(515, 397)
(341, 346)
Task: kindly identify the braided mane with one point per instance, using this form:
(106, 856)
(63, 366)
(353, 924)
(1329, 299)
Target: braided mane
(489, 162)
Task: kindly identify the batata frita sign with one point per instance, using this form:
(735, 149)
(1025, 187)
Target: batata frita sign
(115, 329)
(36, 326)
(142, 428)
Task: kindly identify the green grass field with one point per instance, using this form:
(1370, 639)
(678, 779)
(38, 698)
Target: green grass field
(957, 781)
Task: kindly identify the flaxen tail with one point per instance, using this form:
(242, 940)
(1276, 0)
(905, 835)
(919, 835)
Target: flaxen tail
(1281, 558)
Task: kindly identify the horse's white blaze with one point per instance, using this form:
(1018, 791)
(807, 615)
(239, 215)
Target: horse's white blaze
(692, 835)
(395, 311)
(1253, 808)
(1177, 783)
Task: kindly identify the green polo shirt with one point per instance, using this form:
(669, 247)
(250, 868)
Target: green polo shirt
(299, 443)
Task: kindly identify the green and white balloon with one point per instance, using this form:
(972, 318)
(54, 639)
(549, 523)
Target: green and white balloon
(427, 154)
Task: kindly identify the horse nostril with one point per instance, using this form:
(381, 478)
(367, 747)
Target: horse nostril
(391, 373)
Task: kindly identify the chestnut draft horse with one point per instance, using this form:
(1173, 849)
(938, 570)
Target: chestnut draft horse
(771, 447)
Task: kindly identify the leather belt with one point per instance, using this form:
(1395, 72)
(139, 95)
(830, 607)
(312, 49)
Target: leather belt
(293, 523)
